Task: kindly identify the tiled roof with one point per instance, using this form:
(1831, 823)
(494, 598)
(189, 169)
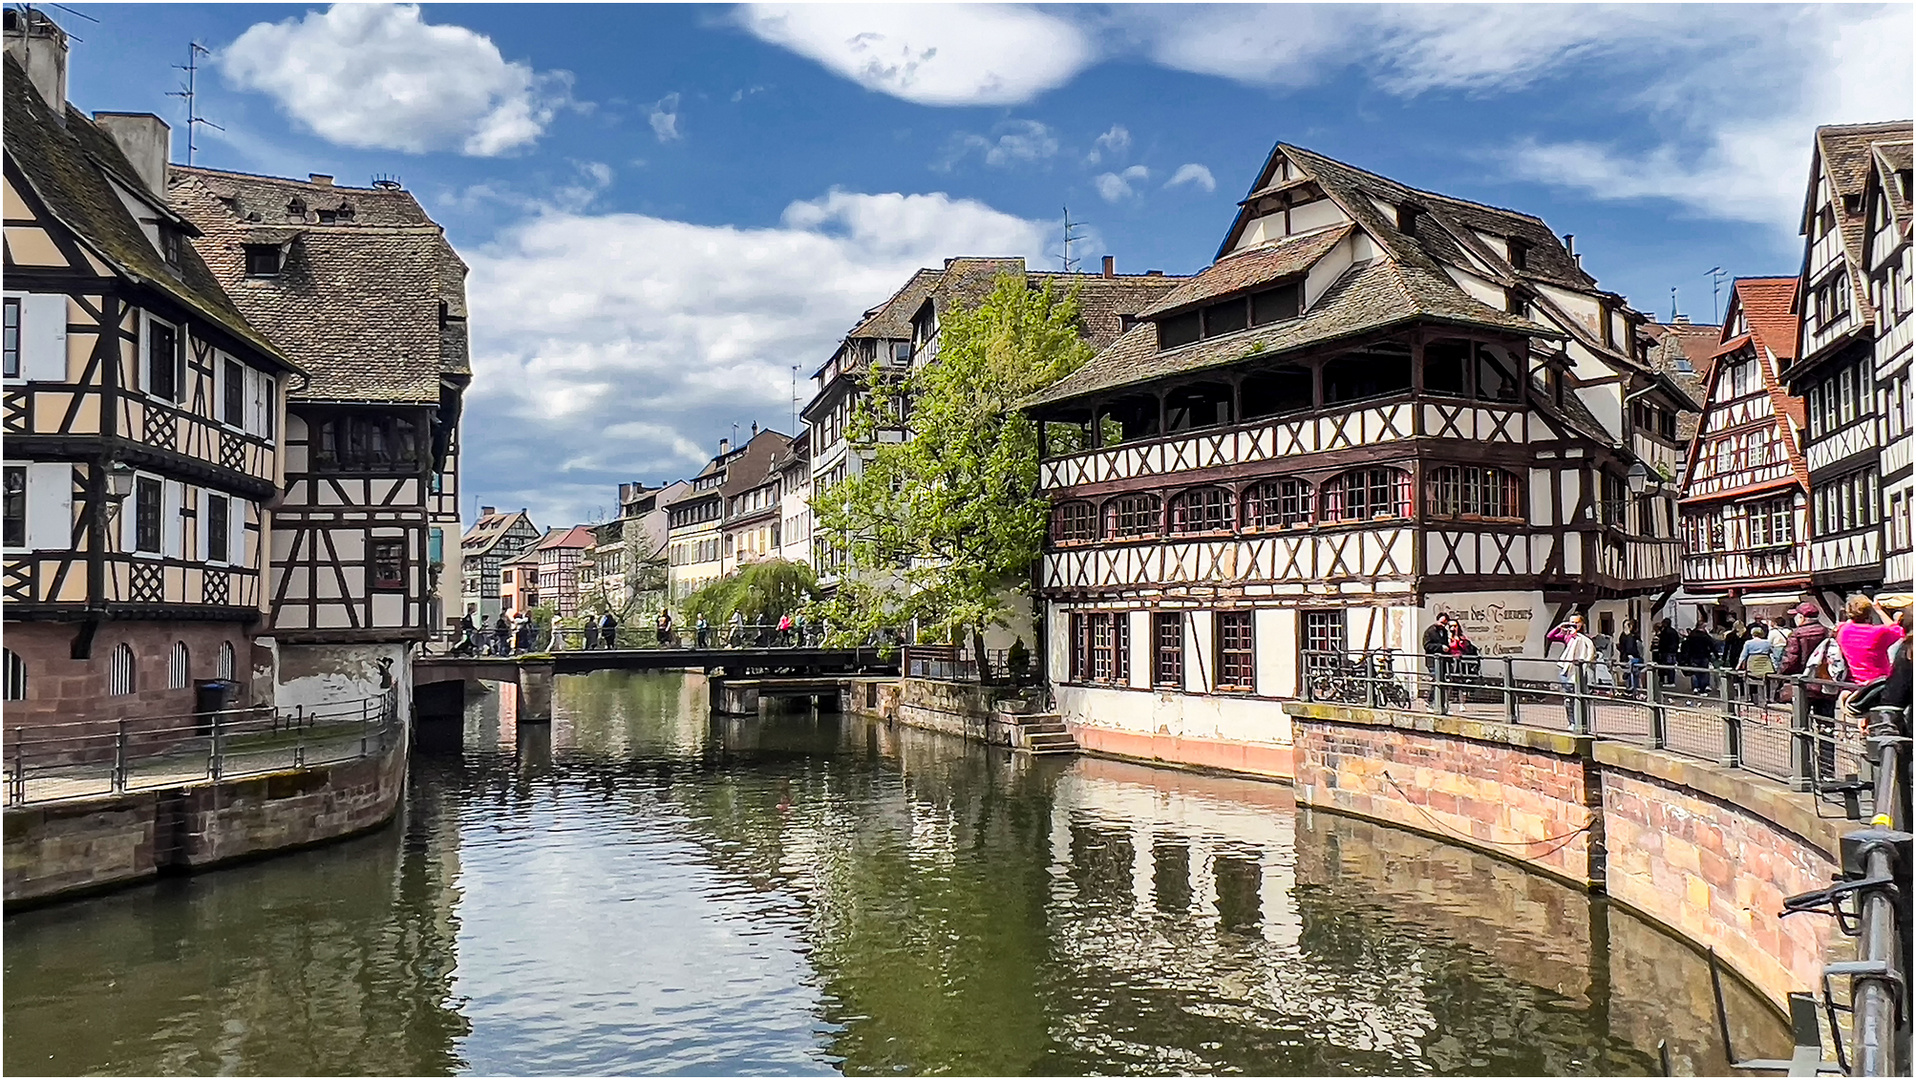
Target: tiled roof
(753, 466)
(488, 531)
(358, 301)
(1675, 345)
(1892, 158)
(67, 167)
(892, 319)
(1844, 150)
(578, 536)
(1247, 269)
(1368, 298)
(1766, 304)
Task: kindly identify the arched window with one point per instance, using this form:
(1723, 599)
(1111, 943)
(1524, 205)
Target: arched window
(1074, 521)
(1470, 491)
(16, 676)
(1203, 510)
(1367, 495)
(1133, 515)
(225, 670)
(120, 678)
(1277, 504)
(178, 667)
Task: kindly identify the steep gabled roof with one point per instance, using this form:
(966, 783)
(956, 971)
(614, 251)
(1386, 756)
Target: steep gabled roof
(1244, 270)
(370, 298)
(490, 530)
(1893, 161)
(67, 167)
(1765, 304)
(1843, 156)
(578, 536)
(892, 319)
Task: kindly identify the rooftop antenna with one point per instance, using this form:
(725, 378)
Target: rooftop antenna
(1673, 304)
(1065, 261)
(1717, 274)
(794, 399)
(194, 50)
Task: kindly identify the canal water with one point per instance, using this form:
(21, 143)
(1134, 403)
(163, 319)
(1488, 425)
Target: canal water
(641, 888)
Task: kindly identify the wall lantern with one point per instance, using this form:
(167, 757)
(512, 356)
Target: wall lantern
(119, 484)
(1639, 478)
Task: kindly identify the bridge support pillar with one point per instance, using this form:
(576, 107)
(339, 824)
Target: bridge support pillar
(730, 700)
(535, 692)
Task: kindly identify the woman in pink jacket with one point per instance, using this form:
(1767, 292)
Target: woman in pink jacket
(1865, 638)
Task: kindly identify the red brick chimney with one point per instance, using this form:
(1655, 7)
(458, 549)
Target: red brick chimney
(1110, 266)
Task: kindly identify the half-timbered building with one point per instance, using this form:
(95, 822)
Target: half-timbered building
(362, 288)
(1745, 483)
(143, 419)
(493, 539)
(1892, 294)
(1377, 405)
(1835, 367)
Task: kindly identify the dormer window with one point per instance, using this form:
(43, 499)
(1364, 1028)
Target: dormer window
(262, 260)
(901, 352)
(296, 207)
(1229, 316)
(328, 217)
(170, 245)
(1519, 254)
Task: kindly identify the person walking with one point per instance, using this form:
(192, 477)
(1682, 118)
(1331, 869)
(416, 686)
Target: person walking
(1578, 652)
(1664, 647)
(557, 640)
(664, 625)
(1866, 635)
(1807, 637)
(468, 643)
(735, 633)
(1757, 665)
(1630, 655)
(501, 635)
(1779, 638)
(591, 632)
(521, 632)
(608, 631)
(1696, 653)
(703, 631)
(785, 629)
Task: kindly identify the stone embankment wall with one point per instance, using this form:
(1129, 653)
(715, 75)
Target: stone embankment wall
(933, 705)
(1708, 852)
(57, 850)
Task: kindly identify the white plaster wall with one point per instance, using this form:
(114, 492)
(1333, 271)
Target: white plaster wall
(1239, 719)
(1320, 214)
(332, 677)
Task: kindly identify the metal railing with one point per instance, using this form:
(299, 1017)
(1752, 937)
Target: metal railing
(89, 758)
(1785, 728)
(570, 639)
(964, 667)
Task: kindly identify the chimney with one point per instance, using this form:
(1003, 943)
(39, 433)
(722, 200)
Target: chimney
(1680, 320)
(40, 46)
(146, 141)
(320, 179)
(1154, 273)
(725, 447)
(488, 511)
(1110, 266)
(1570, 243)
(754, 429)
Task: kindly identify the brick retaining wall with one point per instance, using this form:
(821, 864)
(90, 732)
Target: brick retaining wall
(57, 850)
(1707, 852)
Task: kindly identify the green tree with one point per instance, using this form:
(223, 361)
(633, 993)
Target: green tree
(940, 526)
(759, 591)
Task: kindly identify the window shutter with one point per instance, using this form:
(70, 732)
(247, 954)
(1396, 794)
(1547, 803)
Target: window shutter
(49, 505)
(236, 532)
(172, 525)
(43, 337)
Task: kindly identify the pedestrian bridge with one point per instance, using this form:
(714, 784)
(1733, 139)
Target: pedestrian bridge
(762, 661)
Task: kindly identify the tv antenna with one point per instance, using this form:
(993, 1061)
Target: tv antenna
(1065, 261)
(190, 92)
(794, 399)
(1717, 274)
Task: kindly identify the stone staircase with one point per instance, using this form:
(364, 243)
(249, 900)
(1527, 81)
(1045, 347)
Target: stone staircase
(1043, 733)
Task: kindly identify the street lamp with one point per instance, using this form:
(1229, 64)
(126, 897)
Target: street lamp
(119, 484)
(1639, 477)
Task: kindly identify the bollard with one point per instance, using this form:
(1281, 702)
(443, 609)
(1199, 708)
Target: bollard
(1510, 690)
(214, 765)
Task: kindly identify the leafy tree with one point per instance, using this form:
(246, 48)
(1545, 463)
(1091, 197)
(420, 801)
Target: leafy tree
(944, 526)
(759, 591)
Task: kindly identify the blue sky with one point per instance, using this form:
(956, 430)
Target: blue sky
(665, 208)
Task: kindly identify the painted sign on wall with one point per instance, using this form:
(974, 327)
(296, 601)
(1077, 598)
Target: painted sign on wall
(1500, 623)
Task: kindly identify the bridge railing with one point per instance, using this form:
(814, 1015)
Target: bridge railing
(83, 758)
(576, 639)
(1793, 729)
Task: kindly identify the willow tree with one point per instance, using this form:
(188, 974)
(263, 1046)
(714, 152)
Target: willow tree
(943, 525)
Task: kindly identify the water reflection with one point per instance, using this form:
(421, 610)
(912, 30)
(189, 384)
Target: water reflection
(642, 887)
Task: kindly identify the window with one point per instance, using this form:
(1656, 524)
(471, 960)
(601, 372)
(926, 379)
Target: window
(1127, 419)
(1179, 330)
(1277, 392)
(1277, 305)
(170, 245)
(1771, 523)
(1226, 318)
(1469, 491)
(1167, 648)
(389, 564)
(162, 360)
(11, 340)
(219, 533)
(1200, 406)
(147, 503)
(120, 675)
(178, 670)
(16, 676)
(233, 393)
(1447, 367)
(15, 530)
(1103, 653)
(1277, 504)
(1133, 515)
(371, 443)
(1079, 659)
(1121, 647)
(1235, 655)
(1202, 510)
(1454, 367)
(1366, 494)
(1324, 639)
(1379, 371)
(1073, 521)
(1496, 374)
(224, 670)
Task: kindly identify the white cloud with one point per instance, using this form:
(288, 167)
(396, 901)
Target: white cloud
(1014, 142)
(636, 342)
(1192, 173)
(374, 75)
(1116, 187)
(1739, 148)
(1114, 142)
(664, 115)
(932, 54)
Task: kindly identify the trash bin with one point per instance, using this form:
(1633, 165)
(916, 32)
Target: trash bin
(212, 696)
